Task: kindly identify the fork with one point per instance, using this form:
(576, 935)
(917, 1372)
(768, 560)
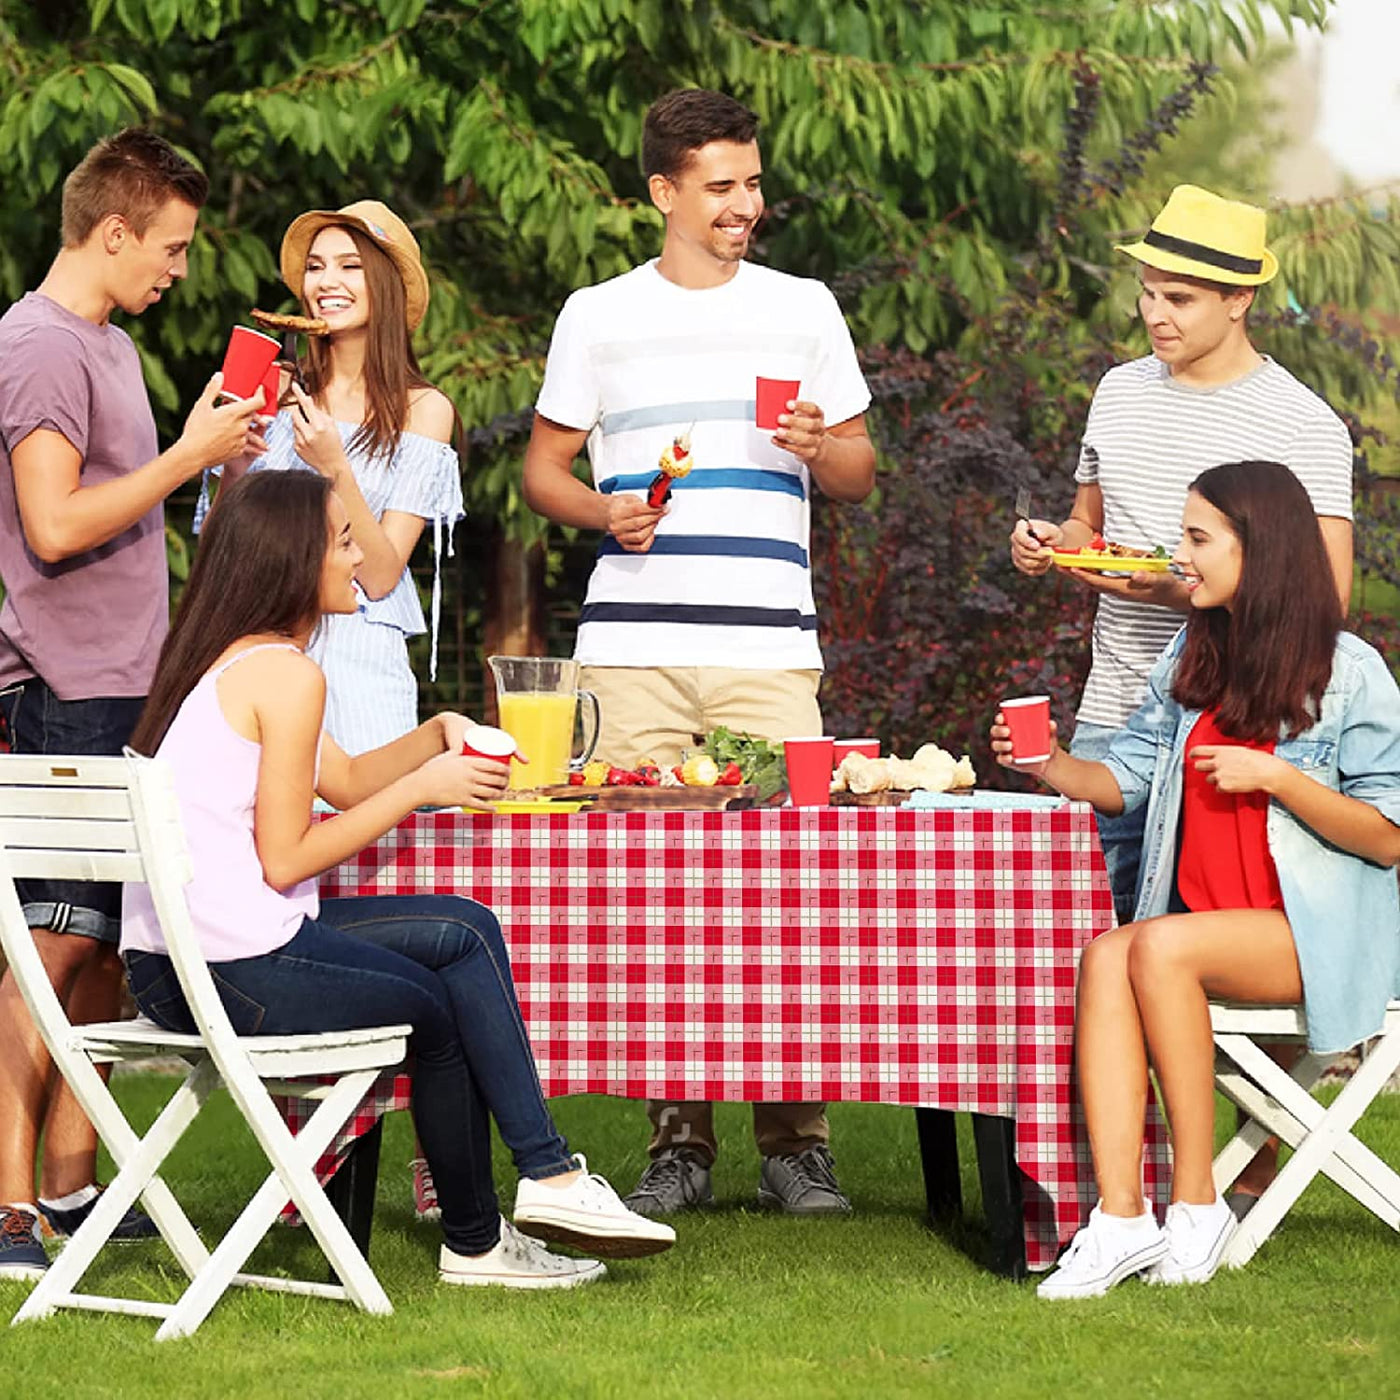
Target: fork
(1023, 511)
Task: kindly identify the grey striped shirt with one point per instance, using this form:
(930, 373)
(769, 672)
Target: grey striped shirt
(1146, 440)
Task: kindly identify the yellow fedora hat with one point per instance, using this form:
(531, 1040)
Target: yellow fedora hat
(381, 224)
(1199, 234)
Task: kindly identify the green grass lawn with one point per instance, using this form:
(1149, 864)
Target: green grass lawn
(745, 1305)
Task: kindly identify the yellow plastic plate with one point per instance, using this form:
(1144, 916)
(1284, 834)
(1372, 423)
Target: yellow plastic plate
(536, 804)
(1111, 563)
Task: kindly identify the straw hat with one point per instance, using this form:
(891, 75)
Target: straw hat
(1198, 234)
(381, 224)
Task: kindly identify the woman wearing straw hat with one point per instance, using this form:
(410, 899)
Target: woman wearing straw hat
(369, 421)
(1204, 395)
(372, 424)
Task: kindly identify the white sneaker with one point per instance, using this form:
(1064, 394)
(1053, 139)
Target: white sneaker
(1107, 1250)
(589, 1214)
(1197, 1237)
(517, 1262)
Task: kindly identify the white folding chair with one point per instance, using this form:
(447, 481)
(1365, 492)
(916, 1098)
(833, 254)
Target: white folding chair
(1277, 1101)
(117, 819)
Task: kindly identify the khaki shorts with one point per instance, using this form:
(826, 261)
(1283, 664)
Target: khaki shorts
(656, 712)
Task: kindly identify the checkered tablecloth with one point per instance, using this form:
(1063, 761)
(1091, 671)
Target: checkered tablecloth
(875, 954)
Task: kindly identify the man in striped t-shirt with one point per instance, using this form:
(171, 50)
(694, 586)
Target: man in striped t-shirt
(700, 613)
(1203, 396)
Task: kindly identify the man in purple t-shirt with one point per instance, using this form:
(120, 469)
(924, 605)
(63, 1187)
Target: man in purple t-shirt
(82, 560)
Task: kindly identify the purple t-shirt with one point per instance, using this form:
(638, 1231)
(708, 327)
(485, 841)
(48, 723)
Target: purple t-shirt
(91, 625)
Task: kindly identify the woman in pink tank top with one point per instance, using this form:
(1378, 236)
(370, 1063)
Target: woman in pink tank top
(237, 709)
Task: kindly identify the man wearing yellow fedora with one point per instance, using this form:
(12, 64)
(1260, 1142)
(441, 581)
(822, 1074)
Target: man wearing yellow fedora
(1203, 396)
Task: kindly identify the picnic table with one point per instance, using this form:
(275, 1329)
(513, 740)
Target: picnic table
(887, 955)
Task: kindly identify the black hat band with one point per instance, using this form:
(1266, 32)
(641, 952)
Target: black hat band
(1183, 247)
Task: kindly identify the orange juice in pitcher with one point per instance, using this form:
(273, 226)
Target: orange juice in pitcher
(537, 700)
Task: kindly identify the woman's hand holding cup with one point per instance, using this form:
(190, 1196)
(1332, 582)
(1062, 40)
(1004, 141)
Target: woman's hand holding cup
(1005, 742)
(462, 780)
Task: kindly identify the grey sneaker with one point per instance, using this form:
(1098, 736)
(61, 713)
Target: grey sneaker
(802, 1183)
(677, 1179)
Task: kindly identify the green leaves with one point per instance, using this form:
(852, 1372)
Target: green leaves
(911, 158)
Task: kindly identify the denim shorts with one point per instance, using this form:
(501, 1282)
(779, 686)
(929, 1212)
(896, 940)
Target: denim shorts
(40, 723)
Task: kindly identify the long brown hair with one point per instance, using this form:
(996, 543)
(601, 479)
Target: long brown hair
(1264, 663)
(257, 570)
(391, 367)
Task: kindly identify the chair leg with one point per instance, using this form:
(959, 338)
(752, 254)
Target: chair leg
(1313, 1153)
(938, 1155)
(1002, 1200)
(352, 1189)
(139, 1160)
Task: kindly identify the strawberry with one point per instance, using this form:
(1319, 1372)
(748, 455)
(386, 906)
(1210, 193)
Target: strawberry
(575, 779)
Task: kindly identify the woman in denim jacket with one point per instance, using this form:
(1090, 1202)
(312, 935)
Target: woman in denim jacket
(1268, 753)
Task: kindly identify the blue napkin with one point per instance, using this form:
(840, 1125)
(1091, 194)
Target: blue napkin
(988, 801)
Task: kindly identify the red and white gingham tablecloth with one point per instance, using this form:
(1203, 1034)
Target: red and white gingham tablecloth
(885, 955)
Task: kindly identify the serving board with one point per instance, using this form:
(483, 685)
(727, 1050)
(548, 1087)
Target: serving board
(651, 799)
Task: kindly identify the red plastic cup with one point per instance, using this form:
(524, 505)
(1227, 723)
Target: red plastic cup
(771, 398)
(486, 741)
(809, 765)
(841, 747)
(272, 389)
(1028, 718)
(246, 362)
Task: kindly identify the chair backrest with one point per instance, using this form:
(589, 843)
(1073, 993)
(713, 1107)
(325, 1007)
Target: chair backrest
(99, 818)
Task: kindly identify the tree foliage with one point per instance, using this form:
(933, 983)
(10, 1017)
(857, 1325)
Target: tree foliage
(911, 149)
(957, 169)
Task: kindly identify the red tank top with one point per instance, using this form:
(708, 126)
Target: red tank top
(1225, 861)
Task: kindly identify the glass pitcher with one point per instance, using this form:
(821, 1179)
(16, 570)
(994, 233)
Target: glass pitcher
(537, 700)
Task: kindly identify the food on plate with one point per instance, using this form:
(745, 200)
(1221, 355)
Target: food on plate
(931, 769)
(1101, 555)
(675, 462)
(302, 325)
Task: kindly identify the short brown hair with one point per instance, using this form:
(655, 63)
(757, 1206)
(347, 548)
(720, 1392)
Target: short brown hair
(681, 122)
(135, 174)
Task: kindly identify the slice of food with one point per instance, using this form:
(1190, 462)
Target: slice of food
(302, 325)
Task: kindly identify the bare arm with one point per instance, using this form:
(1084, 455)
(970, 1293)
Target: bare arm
(1078, 778)
(1337, 535)
(841, 458)
(282, 697)
(61, 517)
(551, 489)
(1347, 822)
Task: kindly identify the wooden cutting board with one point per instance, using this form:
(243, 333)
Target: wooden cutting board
(652, 799)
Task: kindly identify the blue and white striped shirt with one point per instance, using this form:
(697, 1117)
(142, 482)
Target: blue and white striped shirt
(637, 361)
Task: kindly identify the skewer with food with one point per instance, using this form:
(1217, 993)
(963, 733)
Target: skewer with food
(675, 463)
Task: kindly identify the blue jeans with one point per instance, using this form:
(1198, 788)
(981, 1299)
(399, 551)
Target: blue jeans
(437, 962)
(40, 723)
(1120, 837)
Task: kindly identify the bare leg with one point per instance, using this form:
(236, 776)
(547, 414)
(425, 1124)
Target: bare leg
(1174, 964)
(1112, 1062)
(70, 1141)
(25, 1066)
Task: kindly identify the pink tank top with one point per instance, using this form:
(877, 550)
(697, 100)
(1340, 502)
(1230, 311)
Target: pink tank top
(236, 913)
